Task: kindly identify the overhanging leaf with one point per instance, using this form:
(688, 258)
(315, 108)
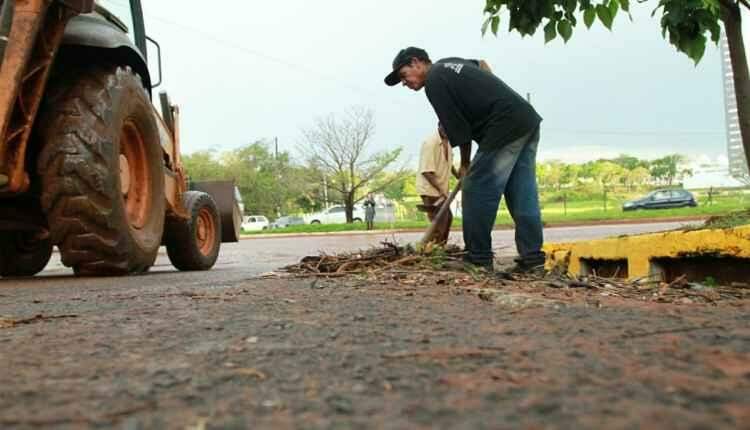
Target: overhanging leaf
(696, 48)
(549, 31)
(614, 7)
(485, 25)
(605, 16)
(495, 24)
(565, 30)
(589, 15)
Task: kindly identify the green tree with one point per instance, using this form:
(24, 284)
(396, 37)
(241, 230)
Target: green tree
(687, 24)
(629, 162)
(337, 148)
(203, 166)
(638, 177)
(399, 187)
(570, 174)
(269, 182)
(607, 173)
(667, 169)
(541, 174)
(555, 174)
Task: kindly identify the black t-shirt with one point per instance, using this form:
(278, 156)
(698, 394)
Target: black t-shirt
(473, 104)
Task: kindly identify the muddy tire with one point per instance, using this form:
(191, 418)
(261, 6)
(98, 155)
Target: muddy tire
(23, 254)
(101, 171)
(193, 244)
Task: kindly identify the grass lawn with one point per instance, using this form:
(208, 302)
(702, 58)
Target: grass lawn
(552, 213)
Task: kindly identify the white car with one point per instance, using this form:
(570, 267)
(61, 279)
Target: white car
(334, 215)
(255, 223)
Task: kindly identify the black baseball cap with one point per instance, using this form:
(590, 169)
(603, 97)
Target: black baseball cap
(403, 58)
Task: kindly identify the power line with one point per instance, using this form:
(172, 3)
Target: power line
(254, 52)
(636, 132)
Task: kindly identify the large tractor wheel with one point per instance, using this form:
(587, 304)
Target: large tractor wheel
(193, 244)
(23, 254)
(101, 170)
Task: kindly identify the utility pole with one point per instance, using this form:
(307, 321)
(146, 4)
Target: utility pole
(528, 97)
(276, 148)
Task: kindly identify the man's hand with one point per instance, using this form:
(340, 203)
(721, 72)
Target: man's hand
(465, 151)
(463, 171)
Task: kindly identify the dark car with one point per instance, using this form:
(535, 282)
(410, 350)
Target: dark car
(662, 199)
(286, 221)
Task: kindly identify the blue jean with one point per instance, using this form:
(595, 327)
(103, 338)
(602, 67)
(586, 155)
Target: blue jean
(510, 171)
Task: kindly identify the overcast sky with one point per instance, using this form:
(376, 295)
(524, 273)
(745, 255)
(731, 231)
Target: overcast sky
(248, 70)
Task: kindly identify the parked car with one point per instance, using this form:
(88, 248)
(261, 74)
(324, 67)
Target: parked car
(255, 223)
(334, 215)
(662, 199)
(286, 221)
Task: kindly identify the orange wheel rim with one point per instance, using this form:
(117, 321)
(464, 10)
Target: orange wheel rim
(205, 231)
(135, 177)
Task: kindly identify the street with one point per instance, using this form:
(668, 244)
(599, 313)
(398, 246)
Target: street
(226, 349)
(251, 257)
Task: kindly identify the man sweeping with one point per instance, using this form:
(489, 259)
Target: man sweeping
(474, 105)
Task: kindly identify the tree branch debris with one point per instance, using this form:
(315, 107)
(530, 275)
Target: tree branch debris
(407, 266)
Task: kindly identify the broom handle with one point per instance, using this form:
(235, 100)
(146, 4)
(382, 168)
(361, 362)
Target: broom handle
(443, 209)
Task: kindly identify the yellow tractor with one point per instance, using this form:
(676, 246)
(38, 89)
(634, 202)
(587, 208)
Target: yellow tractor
(87, 163)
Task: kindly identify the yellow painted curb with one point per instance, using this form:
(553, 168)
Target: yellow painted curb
(639, 256)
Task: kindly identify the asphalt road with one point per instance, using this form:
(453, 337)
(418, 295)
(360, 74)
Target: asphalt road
(254, 256)
(427, 349)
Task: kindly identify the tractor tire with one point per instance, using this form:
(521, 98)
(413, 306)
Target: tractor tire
(101, 171)
(193, 244)
(23, 254)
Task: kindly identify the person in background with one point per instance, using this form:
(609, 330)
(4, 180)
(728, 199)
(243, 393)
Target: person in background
(369, 205)
(433, 177)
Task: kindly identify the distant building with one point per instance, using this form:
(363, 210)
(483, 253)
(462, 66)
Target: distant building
(735, 152)
(708, 172)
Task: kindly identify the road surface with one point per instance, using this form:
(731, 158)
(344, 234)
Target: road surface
(422, 350)
(253, 256)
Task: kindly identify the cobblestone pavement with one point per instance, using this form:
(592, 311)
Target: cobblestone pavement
(321, 354)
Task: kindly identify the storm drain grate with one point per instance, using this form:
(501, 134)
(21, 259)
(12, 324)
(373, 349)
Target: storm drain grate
(723, 270)
(604, 268)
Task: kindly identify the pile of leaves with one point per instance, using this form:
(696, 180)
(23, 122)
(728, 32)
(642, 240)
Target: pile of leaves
(408, 267)
(389, 257)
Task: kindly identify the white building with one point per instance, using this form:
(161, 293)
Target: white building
(735, 152)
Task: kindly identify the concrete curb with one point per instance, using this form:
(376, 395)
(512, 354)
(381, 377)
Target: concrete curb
(722, 254)
(498, 227)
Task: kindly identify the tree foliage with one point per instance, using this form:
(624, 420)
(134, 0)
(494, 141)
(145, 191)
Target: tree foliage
(338, 149)
(687, 24)
(625, 171)
(338, 167)
(269, 184)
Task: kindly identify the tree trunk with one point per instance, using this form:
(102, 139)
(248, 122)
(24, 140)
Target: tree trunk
(349, 205)
(733, 27)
